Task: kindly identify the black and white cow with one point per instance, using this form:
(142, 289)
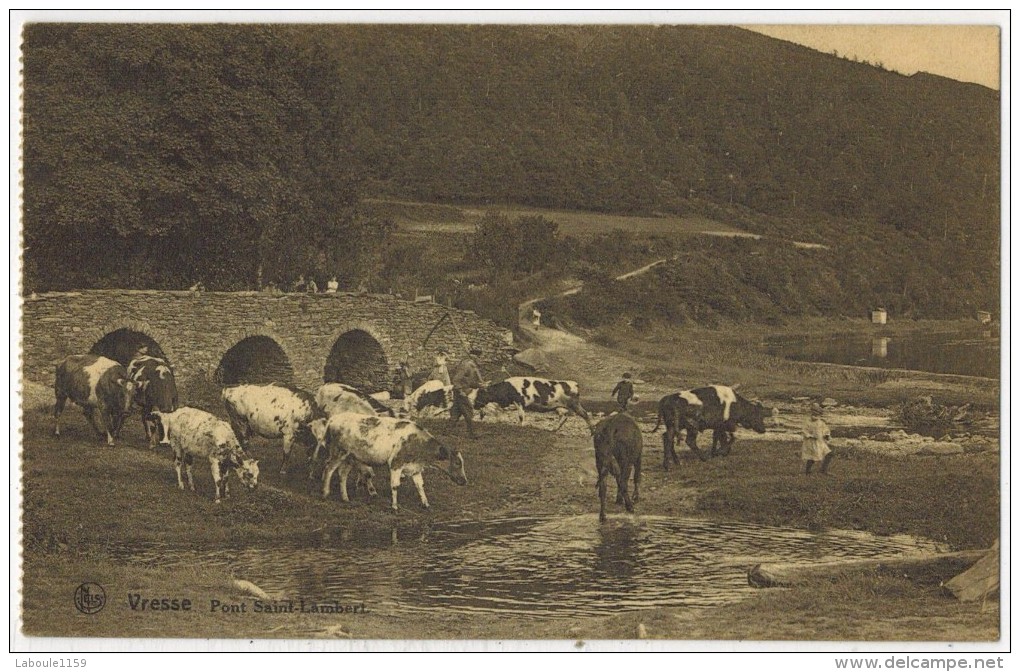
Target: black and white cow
(533, 394)
(722, 410)
(272, 412)
(157, 389)
(432, 398)
(401, 446)
(678, 411)
(192, 433)
(97, 384)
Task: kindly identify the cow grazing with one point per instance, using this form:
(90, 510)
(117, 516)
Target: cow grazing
(97, 384)
(431, 398)
(677, 411)
(401, 446)
(272, 412)
(617, 450)
(527, 393)
(341, 398)
(157, 389)
(722, 410)
(194, 433)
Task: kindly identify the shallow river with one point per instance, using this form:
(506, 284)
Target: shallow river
(970, 353)
(549, 567)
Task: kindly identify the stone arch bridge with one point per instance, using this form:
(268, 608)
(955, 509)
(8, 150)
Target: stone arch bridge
(222, 338)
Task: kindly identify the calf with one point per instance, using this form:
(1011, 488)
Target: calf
(617, 450)
(272, 412)
(193, 433)
(679, 411)
(431, 398)
(527, 393)
(722, 410)
(403, 447)
(96, 384)
(157, 389)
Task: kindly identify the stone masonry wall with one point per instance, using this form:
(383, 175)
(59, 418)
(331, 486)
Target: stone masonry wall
(195, 329)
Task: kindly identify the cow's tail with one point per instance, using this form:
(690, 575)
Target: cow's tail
(658, 422)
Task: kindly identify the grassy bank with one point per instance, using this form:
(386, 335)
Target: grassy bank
(692, 356)
(81, 499)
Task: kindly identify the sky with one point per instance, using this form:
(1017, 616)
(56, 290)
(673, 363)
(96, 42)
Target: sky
(951, 43)
(965, 53)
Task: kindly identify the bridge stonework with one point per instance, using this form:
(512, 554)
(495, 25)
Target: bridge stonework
(196, 329)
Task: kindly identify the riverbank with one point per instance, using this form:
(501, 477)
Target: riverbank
(83, 500)
(737, 355)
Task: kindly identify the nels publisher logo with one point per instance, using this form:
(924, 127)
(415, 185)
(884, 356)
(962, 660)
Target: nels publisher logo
(89, 598)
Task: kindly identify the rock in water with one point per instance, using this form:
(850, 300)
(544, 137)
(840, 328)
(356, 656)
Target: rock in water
(251, 589)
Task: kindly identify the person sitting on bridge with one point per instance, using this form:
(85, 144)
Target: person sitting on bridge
(332, 286)
(311, 287)
(465, 378)
(299, 284)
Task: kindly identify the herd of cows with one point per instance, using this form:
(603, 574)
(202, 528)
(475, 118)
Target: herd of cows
(356, 433)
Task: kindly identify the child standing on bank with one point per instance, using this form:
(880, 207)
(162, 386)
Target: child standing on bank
(815, 447)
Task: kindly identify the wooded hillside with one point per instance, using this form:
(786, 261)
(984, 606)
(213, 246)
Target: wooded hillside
(161, 155)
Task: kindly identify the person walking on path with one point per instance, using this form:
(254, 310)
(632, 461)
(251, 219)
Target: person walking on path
(623, 391)
(815, 447)
(465, 378)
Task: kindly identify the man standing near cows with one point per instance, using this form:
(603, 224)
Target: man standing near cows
(465, 378)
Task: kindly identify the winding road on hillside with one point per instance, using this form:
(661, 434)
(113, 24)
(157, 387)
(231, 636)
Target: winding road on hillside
(596, 368)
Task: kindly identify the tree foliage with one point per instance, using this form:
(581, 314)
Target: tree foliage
(160, 155)
(515, 247)
(163, 155)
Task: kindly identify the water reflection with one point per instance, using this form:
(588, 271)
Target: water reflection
(547, 567)
(973, 352)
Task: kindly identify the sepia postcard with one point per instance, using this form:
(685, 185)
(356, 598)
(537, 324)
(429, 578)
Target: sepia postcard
(599, 331)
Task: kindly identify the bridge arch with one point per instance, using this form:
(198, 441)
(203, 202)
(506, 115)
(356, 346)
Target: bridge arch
(359, 355)
(120, 341)
(253, 356)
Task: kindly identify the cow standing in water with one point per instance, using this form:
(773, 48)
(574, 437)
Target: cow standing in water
(272, 412)
(157, 389)
(401, 446)
(722, 410)
(618, 448)
(97, 384)
(528, 393)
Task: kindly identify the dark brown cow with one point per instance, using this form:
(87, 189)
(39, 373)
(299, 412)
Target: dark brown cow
(96, 384)
(157, 389)
(617, 450)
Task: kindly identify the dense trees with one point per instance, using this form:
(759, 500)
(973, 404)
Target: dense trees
(162, 155)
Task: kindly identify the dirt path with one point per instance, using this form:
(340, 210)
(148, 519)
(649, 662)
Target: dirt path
(596, 368)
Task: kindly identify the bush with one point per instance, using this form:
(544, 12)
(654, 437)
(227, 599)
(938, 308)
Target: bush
(926, 416)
